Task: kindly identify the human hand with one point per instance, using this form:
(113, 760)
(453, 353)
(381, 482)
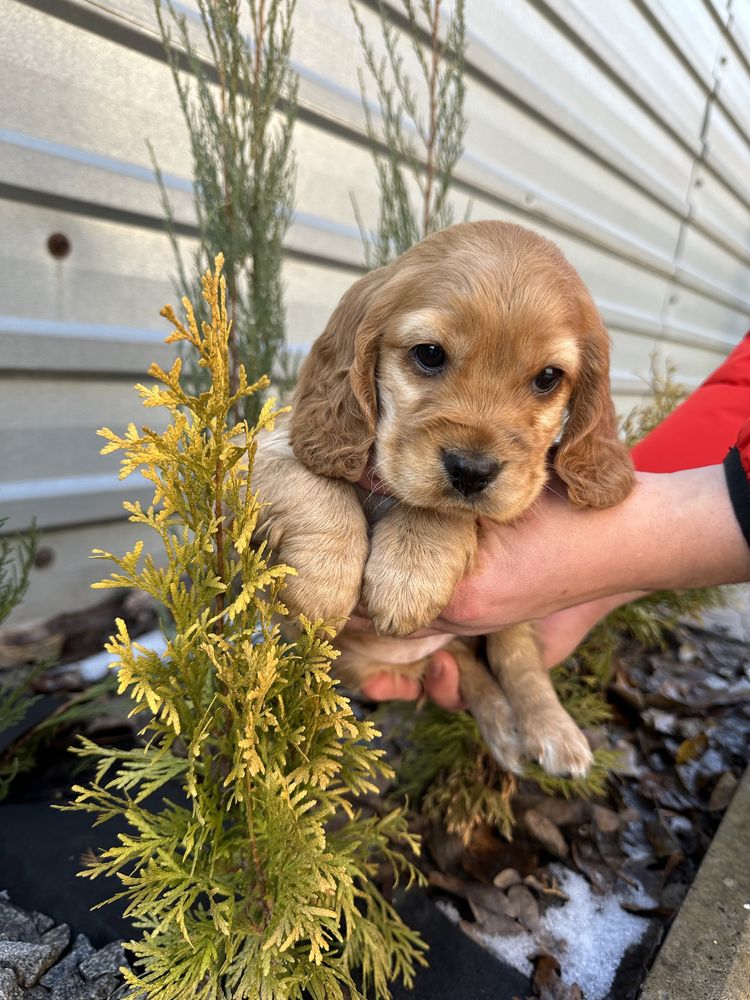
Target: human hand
(440, 684)
(560, 634)
(566, 568)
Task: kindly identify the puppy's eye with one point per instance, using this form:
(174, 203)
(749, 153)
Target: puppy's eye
(429, 357)
(547, 380)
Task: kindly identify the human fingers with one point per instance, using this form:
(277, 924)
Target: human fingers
(385, 685)
(442, 682)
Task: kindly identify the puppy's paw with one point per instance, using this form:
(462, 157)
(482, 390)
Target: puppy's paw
(556, 742)
(503, 742)
(398, 603)
(416, 558)
(492, 712)
(322, 588)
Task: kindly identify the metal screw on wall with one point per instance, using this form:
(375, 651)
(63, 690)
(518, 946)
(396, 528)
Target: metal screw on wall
(59, 245)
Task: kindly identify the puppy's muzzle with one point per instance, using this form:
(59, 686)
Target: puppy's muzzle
(469, 471)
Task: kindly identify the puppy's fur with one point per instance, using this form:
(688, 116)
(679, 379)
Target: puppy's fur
(503, 304)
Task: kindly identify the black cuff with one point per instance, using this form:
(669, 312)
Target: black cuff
(739, 490)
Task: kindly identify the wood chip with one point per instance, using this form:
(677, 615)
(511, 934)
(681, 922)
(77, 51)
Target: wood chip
(605, 820)
(527, 908)
(722, 792)
(547, 982)
(545, 832)
(533, 883)
(489, 898)
(506, 878)
(456, 886)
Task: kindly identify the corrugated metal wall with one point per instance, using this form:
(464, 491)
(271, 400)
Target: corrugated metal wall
(620, 128)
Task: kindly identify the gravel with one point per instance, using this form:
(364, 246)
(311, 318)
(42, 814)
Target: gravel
(37, 961)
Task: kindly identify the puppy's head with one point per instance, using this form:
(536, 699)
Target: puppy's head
(454, 369)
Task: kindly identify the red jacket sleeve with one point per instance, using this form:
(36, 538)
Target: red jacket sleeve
(704, 427)
(710, 427)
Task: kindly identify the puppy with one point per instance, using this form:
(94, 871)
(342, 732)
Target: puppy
(448, 375)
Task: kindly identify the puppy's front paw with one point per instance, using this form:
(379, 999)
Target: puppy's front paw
(315, 525)
(556, 742)
(416, 558)
(326, 586)
(399, 603)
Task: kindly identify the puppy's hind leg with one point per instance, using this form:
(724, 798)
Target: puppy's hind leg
(490, 708)
(548, 734)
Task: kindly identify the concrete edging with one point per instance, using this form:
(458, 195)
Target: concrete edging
(706, 955)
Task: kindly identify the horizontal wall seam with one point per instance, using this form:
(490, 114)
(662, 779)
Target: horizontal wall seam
(113, 28)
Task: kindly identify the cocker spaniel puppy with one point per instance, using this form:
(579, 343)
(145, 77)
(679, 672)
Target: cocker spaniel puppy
(449, 376)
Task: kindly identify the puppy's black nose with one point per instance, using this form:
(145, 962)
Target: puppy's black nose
(469, 471)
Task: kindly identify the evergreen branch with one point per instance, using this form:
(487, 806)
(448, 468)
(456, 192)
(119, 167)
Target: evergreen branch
(421, 147)
(245, 883)
(15, 566)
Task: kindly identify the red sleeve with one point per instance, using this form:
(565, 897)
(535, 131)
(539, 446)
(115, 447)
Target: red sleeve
(703, 428)
(710, 427)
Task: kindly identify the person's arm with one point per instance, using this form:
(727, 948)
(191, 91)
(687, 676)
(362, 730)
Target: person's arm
(570, 567)
(674, 531)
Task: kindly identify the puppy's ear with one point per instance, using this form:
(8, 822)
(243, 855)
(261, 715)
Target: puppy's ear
(590, 459)
(334, 412)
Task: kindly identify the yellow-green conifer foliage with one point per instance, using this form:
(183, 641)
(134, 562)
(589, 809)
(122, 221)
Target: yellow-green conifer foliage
(247, 864)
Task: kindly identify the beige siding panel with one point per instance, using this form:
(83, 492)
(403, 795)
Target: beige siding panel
(548, 177)
(628, 351)
(312, 294)
(84, 90)
(617, 36)
(31, 345)
(728, 154)
(741, 27)
(115, 274)
(718, 210)
(66, 582)
(734, 92)
(721, 273)
(689, 312)
(690, 27)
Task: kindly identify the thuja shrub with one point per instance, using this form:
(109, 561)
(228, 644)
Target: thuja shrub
(247, 864)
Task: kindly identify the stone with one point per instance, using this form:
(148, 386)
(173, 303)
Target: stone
(15, 925)
(42, 921)
(9, 988)
(57, 940)
(28, 961)
(67, 968)
(103, 988)
(506, 878)
(105, 962)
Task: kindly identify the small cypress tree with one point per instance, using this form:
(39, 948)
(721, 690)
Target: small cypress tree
(15, 566)
(239, 110)
(15, 698)
(247, 864)
(423, 126)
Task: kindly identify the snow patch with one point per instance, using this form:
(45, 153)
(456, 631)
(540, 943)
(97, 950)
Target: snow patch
(595, 932)
(94, 667)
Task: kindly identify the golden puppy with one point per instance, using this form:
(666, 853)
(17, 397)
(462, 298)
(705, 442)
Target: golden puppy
(449, 375)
